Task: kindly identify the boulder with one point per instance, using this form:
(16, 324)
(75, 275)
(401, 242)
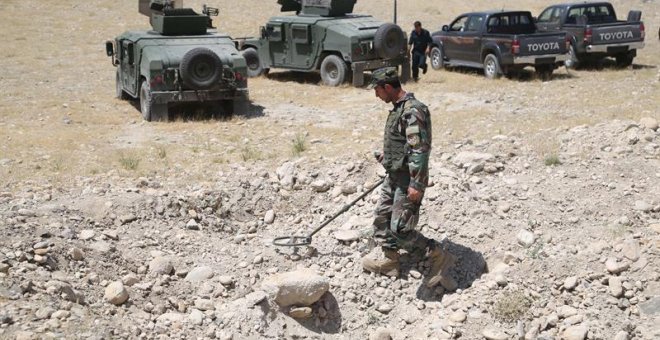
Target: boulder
(301, 287)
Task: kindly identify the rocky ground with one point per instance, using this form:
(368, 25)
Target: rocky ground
(564, 248)
(547, 191)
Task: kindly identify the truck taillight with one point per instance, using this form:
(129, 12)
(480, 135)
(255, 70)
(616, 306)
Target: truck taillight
(515, 46)
(642, 31)
(588, 34)
(238, 76)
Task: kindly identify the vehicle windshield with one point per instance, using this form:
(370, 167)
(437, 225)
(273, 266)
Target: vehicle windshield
(511, 23)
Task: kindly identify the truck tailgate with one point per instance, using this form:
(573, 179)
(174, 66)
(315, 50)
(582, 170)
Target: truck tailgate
(542, 44)
(616, 33)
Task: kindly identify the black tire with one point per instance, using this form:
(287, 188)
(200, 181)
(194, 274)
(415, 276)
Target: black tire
(150, 110)
(200, 68)
(254, 67)
(333, 70)
(572, 61)
(492, 68)
(544, 72)
(625, 59)
(389, 41)
(437, 58)
(119, 90)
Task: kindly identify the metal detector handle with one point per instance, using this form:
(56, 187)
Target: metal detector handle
(346, 207)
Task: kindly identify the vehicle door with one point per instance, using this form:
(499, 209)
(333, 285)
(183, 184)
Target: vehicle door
(452, 41)
(277, 43)
(550, 19)
(472, 38)
(302, 51)
(128, 67)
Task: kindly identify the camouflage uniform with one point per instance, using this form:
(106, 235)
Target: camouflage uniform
(407, 146)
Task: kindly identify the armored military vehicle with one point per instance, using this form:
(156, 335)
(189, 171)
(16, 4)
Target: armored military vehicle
(182, 59)
(325, 36)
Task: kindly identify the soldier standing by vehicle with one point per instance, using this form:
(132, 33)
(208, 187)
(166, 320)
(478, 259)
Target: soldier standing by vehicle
(405, 156)
(420, 40)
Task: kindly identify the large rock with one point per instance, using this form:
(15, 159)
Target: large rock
(615, 267)
(651, 307)
(347, 235)
(467, 158)
(525, 238)
(286, 173)
(161, 266)
(493, 333)
(575, 333)
(631, 250)
(616, 286)
(321, 185)
(116, 293)
(269, 217)
(200, 274)
(649, 123)
(301, 287)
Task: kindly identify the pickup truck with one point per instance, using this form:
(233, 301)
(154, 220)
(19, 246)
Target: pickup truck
(595, 32)
(499, 43)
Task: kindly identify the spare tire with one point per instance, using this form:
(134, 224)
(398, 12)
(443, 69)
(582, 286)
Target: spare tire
(389, 41)
(200, 68)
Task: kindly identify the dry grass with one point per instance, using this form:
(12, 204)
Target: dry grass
(57, 70)
(511, 306)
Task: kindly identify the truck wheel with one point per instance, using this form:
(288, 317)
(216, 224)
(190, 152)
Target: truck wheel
(492, 68)
(544, 72)
(572, 61)
(625, 59)
(120, 93)
(254, 68)
(200, 68)
(437, 58)
(150, 110)
(333, 70)
(389, 41)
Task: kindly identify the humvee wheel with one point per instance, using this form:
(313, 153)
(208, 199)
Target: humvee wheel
(150, 110)
(333, 70)
(120, 94)
(389, 40)
(253, 63)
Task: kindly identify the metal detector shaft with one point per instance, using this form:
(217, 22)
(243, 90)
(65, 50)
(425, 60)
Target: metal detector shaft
(345, 208)
(295, 241)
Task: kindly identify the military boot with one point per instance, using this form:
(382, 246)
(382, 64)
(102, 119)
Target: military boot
(384, 262)
(441, 261)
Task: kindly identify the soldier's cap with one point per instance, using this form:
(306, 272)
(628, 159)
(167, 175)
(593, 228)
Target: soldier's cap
(382, 76)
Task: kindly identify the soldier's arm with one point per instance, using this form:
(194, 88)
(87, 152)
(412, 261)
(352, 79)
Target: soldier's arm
(418, 139)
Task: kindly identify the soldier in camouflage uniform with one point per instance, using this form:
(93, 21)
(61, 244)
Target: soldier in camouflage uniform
(405, 156)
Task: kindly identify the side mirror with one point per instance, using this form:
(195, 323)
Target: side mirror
(445, 28)
(535, 19)
(130, 49)
(264, 34)
(109, 48)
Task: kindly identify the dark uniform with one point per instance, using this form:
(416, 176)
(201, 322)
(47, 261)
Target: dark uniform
(420, 43)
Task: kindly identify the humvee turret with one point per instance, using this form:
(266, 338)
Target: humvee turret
(324, 36)
(182, 59)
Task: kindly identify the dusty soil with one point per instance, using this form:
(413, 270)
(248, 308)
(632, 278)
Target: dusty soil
(571, 161)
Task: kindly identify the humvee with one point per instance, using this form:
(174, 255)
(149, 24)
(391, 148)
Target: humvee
(182, 59)
(324, 36)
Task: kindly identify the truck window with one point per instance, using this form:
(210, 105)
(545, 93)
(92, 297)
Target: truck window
(459, 24)
(551, 15)
(474, 23)
(274, 32)
(594, 14)
(511, 23)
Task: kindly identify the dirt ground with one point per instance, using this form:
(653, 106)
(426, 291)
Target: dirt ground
(74, 158)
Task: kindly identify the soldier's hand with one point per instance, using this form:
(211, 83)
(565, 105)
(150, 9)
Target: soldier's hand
(414, 195)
